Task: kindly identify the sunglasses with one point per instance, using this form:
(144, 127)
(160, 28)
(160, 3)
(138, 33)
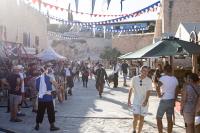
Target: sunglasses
(140, 82)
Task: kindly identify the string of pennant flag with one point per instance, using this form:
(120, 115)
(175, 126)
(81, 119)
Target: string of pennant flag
(61, 36)
(91, 25)
(151, 8)
(106, 22)
(123, 30)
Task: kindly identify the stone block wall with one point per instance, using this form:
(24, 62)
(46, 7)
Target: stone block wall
(131, 43)
(20, 18)
(176, 11)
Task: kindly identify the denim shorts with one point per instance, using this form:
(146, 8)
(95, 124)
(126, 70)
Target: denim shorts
(165, 106)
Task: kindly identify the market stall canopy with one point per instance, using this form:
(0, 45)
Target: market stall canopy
(50, 54)
(121, 57)
(166, 47)
(140, 53)
(173, 46)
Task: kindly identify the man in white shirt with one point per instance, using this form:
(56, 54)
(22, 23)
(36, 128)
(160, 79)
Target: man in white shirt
(167, 91)
(116, 69)
(141, 85)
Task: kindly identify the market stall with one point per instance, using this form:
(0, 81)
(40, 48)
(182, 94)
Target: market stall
(50, 54)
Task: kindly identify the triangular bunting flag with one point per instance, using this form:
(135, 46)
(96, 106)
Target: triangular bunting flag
(76, 3)
(93, 4)
(121, 4)
(108, 2)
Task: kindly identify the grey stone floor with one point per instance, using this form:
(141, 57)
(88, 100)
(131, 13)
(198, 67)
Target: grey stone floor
(85, 112)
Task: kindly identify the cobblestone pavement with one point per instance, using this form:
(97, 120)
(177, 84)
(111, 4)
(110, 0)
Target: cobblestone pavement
(85, 112)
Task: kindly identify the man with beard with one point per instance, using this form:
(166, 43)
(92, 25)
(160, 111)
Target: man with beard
(101, 76)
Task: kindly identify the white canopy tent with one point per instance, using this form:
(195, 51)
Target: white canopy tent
(50, 54)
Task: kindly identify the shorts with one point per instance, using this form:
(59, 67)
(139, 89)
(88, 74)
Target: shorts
(189, 117)
(165, 106)
(15, 100)
(140, 110)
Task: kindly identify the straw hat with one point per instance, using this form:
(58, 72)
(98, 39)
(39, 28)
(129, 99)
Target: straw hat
(16, 67)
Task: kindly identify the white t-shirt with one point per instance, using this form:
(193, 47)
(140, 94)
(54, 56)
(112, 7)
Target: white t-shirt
(74, 70)
(168, 88)
(67, 72)
(117, 68)
(140, 89)
(21, 74)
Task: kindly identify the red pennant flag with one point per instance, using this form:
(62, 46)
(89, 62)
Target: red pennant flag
(56, 7)
(45, 5)
(50, 6)
(34, 1)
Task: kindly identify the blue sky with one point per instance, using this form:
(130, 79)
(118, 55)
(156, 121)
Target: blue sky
(129, 6)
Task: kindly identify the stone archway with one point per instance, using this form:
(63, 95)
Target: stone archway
(193, 37)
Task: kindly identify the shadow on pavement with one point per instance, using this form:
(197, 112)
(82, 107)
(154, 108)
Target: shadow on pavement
(121, 89)
(123, 105)
(73, 115)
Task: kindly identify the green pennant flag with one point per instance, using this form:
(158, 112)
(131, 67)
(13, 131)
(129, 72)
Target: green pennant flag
(76, 3)
(69, 12)
(93, 4)
(108, 2)
(122, 4)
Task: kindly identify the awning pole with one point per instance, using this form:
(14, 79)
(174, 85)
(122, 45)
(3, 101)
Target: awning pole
(171, 63)
(194, 63)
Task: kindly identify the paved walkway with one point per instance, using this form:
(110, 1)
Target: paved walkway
(85, 112)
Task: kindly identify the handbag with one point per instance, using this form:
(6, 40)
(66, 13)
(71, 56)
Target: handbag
(54, 94)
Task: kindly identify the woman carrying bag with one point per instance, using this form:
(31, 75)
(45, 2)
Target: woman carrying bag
(189, 101)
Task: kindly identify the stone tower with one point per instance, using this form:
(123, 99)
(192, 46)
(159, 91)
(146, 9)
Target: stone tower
(175, 11)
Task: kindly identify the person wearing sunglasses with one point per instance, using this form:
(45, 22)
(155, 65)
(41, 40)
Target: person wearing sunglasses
(140, 87)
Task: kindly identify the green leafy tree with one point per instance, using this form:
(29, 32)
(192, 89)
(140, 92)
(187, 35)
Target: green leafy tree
(110, 53)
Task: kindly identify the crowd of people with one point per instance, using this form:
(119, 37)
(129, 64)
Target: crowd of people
(42, 84)
(166, 85)
(48, 82)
